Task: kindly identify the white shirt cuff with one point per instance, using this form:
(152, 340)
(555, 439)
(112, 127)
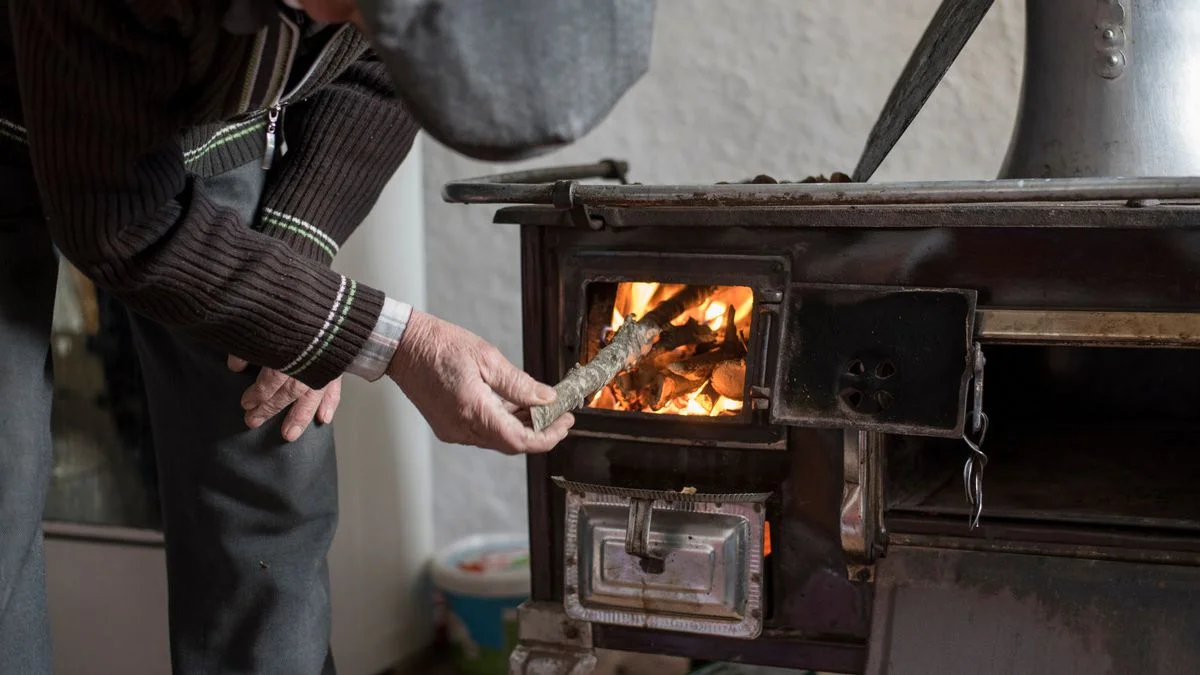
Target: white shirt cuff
(373, 360)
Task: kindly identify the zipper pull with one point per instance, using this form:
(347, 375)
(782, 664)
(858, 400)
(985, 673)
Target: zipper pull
(272, 134)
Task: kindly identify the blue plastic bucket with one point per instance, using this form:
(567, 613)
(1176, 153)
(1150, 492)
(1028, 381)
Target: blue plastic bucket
(483, 579)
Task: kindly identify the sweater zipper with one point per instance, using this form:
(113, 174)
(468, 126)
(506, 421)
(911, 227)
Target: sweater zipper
(275, 136)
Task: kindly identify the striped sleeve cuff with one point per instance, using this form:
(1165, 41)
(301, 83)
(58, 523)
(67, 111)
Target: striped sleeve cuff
(372, 361)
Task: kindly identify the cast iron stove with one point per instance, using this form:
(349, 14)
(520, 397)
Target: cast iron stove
(899, 428)
(788, 523)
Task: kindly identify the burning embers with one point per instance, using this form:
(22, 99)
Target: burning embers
(697, 364)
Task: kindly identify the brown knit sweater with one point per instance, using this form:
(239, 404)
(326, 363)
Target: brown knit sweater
(117, 105)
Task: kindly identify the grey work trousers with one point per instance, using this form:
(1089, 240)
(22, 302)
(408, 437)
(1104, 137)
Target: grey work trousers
(248, 518)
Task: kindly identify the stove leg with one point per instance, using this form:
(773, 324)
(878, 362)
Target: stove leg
(550, 643)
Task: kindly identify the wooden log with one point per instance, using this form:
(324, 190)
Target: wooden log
(628, 346)
(627, 391)
(701, 366)
(707, 397)
(730, 339)
(607, 399)
(669, 387)
(601, 300)
(666, 311)
(692, 333)
(696, 369)
(729, 379)
(676, 343)
(658, 360)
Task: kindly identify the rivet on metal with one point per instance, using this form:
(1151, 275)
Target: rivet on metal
(1110, 38)
(1111, 65)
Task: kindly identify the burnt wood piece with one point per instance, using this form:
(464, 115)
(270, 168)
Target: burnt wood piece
(668, 387)
(690, 334)
(674, 344)
(701, 366)
(631, 342)
(600, 311)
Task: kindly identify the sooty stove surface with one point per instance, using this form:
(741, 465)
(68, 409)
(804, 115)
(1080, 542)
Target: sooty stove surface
(795, 474)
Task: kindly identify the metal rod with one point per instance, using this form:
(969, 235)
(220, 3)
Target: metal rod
(1088, 328)
(953, 24)
(521, 188)
(536, 184)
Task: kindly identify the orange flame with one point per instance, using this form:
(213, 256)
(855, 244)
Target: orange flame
(634, 299)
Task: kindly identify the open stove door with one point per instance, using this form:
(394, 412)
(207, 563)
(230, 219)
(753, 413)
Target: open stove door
(887, 359)
(989, 613)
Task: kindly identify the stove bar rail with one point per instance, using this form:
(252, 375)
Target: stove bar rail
(559, 186)
(1087, 328)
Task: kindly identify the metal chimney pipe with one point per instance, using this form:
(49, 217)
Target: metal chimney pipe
(1111, 88)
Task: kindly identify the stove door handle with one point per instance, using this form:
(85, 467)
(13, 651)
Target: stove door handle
(637, 528)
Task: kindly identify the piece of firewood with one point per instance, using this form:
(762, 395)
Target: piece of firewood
(729, 330)
(669, 387)
(657, 360)
(690, 333)
(729, 378)
(628, 346)
(626, 391)
(600, 312)
(700, 367)
(696, 369)
(675, 344)
(607, 400)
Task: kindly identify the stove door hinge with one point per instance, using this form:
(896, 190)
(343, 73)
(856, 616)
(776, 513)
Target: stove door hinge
(563, 197)
(760, 398)
(767, 304)
(550, 642)
(864, 534)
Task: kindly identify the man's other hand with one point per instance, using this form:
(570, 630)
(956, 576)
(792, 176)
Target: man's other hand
(273, 391)
(468, 392)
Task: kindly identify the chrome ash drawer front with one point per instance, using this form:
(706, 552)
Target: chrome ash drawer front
(698, 569)
(664, 560)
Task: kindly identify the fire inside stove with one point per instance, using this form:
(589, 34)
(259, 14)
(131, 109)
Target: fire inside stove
(697, 366)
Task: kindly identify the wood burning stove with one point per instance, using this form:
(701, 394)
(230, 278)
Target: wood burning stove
(830, 503)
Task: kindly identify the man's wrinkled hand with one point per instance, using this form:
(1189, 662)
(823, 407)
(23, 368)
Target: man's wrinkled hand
(468, 392)
(273, 391)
